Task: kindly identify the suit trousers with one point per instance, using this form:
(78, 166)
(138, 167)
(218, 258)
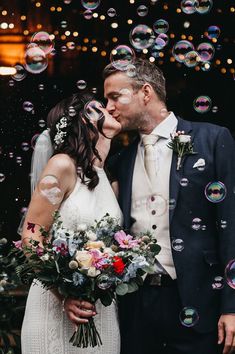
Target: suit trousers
(150, 324)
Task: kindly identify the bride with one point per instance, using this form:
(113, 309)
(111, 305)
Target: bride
(74, 182)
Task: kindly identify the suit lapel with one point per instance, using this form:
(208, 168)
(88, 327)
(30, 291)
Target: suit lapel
(175, 176)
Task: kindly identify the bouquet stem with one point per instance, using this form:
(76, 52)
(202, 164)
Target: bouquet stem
(179, 160)
(86, 335)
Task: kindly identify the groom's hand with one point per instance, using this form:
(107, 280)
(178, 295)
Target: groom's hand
(226, 333)
(78, 311)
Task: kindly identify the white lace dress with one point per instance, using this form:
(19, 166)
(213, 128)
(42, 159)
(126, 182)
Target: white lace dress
(46, 328)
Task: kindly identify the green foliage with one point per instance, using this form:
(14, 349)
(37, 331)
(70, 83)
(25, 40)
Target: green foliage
(12, 303)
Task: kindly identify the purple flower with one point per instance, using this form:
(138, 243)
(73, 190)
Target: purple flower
(124, 240)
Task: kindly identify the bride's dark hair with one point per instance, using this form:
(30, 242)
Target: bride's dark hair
(81, 136)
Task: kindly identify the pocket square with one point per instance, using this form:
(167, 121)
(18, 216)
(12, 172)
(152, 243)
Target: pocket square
(199, 163)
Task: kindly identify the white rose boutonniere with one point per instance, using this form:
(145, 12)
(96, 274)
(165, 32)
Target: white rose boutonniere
(182, 145)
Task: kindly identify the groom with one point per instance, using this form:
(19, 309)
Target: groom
(187, 306)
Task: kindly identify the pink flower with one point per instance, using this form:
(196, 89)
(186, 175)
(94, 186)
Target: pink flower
(39, 251)
(99, 260)
(18, 244)
(62, 249)
(124, 240)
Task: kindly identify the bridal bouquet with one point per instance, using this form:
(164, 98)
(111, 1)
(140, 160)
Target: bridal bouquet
(91, 263)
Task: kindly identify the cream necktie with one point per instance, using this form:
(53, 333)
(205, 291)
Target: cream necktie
(150, 156)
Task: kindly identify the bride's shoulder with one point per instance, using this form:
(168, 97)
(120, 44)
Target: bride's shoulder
(61, 163)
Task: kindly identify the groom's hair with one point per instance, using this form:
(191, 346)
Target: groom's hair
(141, 72)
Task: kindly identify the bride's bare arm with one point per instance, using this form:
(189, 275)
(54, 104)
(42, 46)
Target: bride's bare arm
(56, 182)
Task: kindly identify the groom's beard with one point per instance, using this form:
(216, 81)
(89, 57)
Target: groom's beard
(135, 122)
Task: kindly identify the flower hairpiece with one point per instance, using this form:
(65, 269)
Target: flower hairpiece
(59, 137)
(182, 145)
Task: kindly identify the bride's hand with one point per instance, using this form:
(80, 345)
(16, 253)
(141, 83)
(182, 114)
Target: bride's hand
(78, 311)
(111, 126)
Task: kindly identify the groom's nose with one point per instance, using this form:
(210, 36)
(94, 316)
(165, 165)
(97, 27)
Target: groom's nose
(110, 107)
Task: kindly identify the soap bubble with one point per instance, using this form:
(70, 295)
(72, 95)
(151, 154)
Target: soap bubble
(142, 37)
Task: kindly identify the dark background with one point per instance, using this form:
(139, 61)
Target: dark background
(81, 63)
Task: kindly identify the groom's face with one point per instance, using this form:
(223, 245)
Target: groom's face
(123, 102)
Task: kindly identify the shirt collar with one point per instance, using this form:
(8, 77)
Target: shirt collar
(166, 127)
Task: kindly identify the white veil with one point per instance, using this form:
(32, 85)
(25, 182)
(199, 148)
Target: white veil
(43, 150)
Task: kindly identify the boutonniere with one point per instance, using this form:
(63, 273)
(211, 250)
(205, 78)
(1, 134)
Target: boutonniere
(182, 145)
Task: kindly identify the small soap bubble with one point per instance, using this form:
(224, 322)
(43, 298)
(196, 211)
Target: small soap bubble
(213, 32)
(178, 244)
(11, 83)
(41, 123)
(131, 70)
(215, 192)
(141, 37)
(206, 51)
(20, 73)
(63, 24)
(81, 84)
(192, 59)
(203, 6)
(180, 50)
(218, 283)
(184, 182)
(28, 106)
(230, 274)
(122, 56)
(72, 111)
(223, 224)
(196, 224)
(90, 5)
(189, 316)
(214, 109)
(202, 104)
(49, 188)
(172, 204)
(43, 41)
(88, 14)
(111, 12)
(35, 60)
(125, 96)
(92, 111)
(2, 177)
(161, 26)
(188, 6)
(41, 87)
(25, 146)
(142, 10)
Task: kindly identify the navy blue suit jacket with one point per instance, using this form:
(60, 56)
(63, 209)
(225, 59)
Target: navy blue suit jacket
(206, 251)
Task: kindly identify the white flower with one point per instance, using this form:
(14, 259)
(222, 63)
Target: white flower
(91, 235)
(93, 272)
(60, 233)
(199, 163)
(109, 251)
(45, 257)
(82, 227)
(184, 138)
